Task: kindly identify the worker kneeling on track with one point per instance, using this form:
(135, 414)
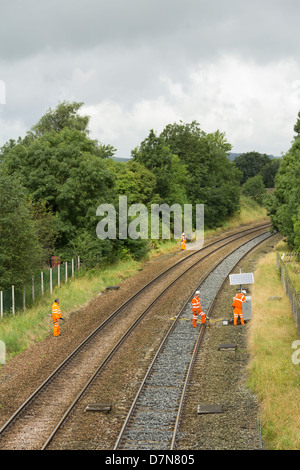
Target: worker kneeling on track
(197, 310)
(237, 305)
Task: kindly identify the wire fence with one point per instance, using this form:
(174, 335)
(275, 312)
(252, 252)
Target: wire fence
(294, 297)
(14, 299)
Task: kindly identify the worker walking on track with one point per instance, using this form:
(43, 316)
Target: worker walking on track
(183, 241)
(197, 310)
(56, 317)
(237, 305)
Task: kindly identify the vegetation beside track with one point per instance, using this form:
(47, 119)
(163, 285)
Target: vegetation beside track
(20, 331)
(273, 376)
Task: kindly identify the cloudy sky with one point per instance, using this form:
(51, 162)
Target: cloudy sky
(137, 65)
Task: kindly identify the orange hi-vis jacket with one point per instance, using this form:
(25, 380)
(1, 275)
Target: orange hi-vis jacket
(196, 309)
(56, 313)
(239, 299)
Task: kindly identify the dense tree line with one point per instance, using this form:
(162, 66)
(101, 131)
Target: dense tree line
(258, 174)
(53, 180)
(284, 202)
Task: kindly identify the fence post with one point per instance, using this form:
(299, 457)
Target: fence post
(13, 299)
(72, 267)
(66, 271)
(1, 304)
(24, 298)
(58, 275)
(42, 282)
(50, 280)
(32, 289)
(78, 263)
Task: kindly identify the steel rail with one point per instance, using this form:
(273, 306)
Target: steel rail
(196, 347)
(119, 343)
(100, 327)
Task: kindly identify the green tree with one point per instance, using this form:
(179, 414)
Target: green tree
(64, 170)
(64, 115)
(269, 171)
(297, 127)
(251, 164)
(70, 174)
(156, 156)
(284, 203)
(255, 188)
(21, 252)
(212, 179)
(135, 181)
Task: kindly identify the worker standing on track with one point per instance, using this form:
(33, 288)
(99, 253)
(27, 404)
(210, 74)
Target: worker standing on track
(197, 310)
(237, 305)
(183, 241)
(56, 317)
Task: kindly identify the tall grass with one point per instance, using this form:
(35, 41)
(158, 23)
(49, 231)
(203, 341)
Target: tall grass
(249, 212)
(22, 329)
(272, 375)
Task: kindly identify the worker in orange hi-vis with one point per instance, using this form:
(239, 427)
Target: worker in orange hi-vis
(237, 305)
(197, 310)
(56, 317)
(183, 241)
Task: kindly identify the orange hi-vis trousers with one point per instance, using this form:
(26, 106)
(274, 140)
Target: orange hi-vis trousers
(238, 312)
(196, 313)
(56, 330)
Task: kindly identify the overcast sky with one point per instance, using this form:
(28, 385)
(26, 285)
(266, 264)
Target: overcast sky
(137, 65)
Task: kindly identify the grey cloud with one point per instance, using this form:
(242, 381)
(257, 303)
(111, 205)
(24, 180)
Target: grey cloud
(121, 51)
(194, 28)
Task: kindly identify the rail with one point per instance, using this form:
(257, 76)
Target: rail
(50, 378)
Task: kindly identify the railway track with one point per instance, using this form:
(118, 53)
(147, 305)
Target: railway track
(37, 421)
(153, 420)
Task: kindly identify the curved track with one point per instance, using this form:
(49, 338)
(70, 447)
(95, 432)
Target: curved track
(153, 420)
(35, 423)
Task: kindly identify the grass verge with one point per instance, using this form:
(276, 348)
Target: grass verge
(33, 325)
(273, 376)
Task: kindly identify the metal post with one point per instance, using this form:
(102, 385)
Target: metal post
(42, 282)
(58, 275)
(72, 267)
(33, 296)
(66, 271)
(1, 304)
(24, 298)
(50, 280)
(13, 299)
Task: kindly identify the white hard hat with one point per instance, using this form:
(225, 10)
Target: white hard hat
(243, 291)
(197, 292)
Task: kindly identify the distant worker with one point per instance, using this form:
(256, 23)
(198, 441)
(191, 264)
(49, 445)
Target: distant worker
(237, 305)
(183, 241)
(197, 310)
(56, 317)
